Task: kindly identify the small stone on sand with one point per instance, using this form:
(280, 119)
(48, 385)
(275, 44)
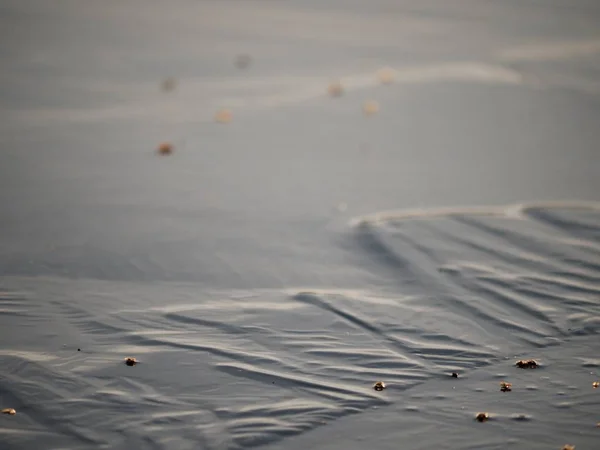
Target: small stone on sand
(9, 411)
(370, 108)
(335, 89)
(505, 387)
(379, 386)
(223, 116)
(242, 61)
(131, 361)
(595, 384)
(168, 84)
(165, 149)
(386, 75)
(454, 375)
(482, 417)
(568, 447)
(527, 364)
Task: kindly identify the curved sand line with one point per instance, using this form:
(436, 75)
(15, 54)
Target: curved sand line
(515, 211)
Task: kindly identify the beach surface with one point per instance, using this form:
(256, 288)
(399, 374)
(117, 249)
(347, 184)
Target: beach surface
(437, 210)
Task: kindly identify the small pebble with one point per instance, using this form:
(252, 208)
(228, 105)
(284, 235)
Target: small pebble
(370, 108)
(595, 384)
(505, 387)
(386, 75)
(379, 386)
(168, 84)
(243, 61)
(454, 375)
(9, 411)
(131, 361)
(482, 417)
(78, 349)
(335, 89)
(568, 447)
(527, 364)
(223, 116)
(165, 149)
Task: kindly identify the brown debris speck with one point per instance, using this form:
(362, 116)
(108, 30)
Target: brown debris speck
(243, 61)
(223, 116)
(370, 108)
(386, 75)
(568, 447)
(595, 384)
(168, 84)
(131, 361)
(165, 149)
(527, 364)
(379, 386)
(505, 387)
(482, 417)
(335, 89)
(9, 411)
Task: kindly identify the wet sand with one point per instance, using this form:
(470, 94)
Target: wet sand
(269, 268)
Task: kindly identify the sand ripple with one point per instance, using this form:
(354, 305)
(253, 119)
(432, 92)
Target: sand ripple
(468, 289)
